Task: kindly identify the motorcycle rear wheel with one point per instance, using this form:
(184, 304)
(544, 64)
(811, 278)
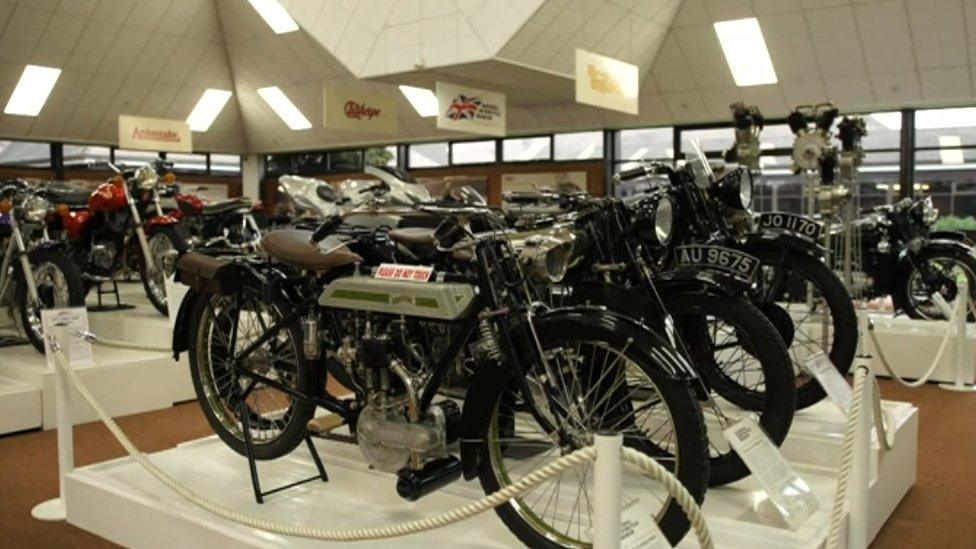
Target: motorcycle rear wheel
(910, 289)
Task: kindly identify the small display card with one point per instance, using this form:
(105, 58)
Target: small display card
(790, 495)
(65, 325)
(637, 527)
(396, 271)
(175, 293)
(833, 383)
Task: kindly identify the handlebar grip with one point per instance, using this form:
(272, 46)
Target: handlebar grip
(325, 229)
(632, 173)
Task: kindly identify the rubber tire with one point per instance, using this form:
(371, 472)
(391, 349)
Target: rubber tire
(775, 406)
(678, 397)
(841, 310)
(900, 291)
(72, 276)
(294, 433)
(179, 244)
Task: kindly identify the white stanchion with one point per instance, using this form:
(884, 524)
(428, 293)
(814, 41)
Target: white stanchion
(964, 366)
(55, 509)
(607, 490)
(858, 536)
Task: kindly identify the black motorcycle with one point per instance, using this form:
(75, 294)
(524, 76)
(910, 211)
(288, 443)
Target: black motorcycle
(264, 333)
(902, 257)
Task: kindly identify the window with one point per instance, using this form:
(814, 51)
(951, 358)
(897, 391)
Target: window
(310, 163)
(225, 164)
(381, 156)
(646, 144)
(81, 156)
(578, 146)
(527, 149)
(27, 154)
(427, 155)
(473, 152)
(125, 157)
(712, 140)
(346, 161)
(188, 163)
(274, 164)
(945, 160)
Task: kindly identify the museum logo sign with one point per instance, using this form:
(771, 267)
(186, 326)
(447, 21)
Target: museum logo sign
(465, 109)
(154, 134)
(360, 109)
(606, 82)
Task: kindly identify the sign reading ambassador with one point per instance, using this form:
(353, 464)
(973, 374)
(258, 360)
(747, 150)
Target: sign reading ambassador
(154, 134)
(471, 110)
(606, 82)
(360, 109)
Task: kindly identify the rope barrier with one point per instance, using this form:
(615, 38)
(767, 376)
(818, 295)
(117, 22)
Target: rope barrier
(643, 463)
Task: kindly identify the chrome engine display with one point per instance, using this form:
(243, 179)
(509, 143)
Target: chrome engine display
(387, 438)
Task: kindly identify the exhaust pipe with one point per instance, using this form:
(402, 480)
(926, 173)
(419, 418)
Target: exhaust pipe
(413, 484)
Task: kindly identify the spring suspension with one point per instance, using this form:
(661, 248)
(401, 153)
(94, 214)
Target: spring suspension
(489, 341)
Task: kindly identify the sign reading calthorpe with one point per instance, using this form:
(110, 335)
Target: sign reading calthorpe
(154, 134)
(606, 82)
(360, 109)
(470, 110)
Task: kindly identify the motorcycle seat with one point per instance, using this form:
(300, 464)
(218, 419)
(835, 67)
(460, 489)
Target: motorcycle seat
(294, 247)
(413, 236)
(225, 206)
(68, 195)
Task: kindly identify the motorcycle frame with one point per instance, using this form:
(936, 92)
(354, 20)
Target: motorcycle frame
(16, 247)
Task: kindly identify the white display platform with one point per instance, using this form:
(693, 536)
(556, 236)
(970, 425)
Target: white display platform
(910, 346)
(125, 382)
(120, 502)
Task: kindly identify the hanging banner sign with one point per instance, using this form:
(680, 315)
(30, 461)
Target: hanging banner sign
(360, 109)
(606, 82)
(471, 110)
(154, 134)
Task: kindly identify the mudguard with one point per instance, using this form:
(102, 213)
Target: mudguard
(161, 221)
(757, 243)
(181, 326)
(488, 383)
(958, 236)
(950, 247)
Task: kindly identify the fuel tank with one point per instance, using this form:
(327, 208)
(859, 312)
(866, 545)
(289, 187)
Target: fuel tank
(438, 300)
(107, 197)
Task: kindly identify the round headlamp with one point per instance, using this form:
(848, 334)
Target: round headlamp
(664, 220)
(34, 209)
(548, 256)
(735, 189)
(929, 212)
(146, 177)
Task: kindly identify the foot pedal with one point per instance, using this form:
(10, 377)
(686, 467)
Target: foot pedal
(323, 425)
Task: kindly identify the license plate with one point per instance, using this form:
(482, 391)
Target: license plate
(793, 223)
(738, 264)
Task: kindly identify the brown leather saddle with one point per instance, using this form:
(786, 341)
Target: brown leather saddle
(294, 247)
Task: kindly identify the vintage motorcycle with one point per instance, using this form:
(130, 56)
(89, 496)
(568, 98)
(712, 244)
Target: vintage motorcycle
(36, 273)
(118, 226)
(263, 334)
(703, 304)
(227, 224)
(902, 257)
(806, 301)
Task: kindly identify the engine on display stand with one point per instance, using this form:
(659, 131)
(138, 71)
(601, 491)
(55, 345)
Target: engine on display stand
(749, 124)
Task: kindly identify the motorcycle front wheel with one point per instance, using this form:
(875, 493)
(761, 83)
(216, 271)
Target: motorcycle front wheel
(165, 247)
(607, 382)
(59, 285)
(913, 294)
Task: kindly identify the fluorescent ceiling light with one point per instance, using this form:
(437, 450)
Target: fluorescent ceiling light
(745, 51)
(32, 90)
(951, 156)
(275, 15)
(945, 118)
(208, 107)
(890, 120)
(423, 100)
(284, 108)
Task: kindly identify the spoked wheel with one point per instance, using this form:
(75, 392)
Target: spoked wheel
(277, 421)
(943, 272)
(58, 284)
(810, 307)
(743, 360)
(600, 381)
(165, 247)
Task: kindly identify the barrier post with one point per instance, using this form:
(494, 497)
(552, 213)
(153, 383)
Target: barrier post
(54, 509)
(963, 363)
(859, 491)
(607, 489)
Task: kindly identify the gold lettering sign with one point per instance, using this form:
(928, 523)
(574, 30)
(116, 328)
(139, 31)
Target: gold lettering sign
(601, 81)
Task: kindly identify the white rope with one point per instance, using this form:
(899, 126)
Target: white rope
(643, 463)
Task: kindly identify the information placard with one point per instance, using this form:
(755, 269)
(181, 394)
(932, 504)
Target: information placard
(790, 495)
(638, 529)
(65, 325)
(833, 383)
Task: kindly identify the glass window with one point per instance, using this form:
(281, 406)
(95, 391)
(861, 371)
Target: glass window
(776, 136)
(80, 156)
(125, 157)
(225, 164)
(274, 164)
(884, 130)
(473, 152)
(945, 127)
(310, 163)
(526, 149)
(382, 156)
(646, 144)
(712, 140)
(28, 154)
(188, 163)
(346, 161)
(578, 146)
(428, 155)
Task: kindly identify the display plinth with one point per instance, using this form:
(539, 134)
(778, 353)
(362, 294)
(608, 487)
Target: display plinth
(125, 382)
(911, 345)
(119, 501)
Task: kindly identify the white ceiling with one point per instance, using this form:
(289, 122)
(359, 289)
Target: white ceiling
(155, 58)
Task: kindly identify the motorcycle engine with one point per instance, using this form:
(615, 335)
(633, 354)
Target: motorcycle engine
(386, 438)
(103, 255)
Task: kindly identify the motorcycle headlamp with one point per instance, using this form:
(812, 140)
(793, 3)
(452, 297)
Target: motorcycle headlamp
(929, 212)
(654, 217)
(548, 256)
(146, 177)
(735, 189)
(35, 208)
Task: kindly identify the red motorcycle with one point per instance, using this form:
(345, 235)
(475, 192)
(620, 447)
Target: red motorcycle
(230, 225)
(120, 227)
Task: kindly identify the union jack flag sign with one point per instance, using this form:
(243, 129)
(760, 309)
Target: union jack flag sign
(463, 107)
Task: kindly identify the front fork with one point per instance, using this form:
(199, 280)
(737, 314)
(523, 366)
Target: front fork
(141, 233)
(17, 247)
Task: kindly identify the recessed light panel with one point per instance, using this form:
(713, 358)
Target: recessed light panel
(208, 107)
(32, 90)
(284, 108)
(275, 15)
(745, 51)
(423, 100)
